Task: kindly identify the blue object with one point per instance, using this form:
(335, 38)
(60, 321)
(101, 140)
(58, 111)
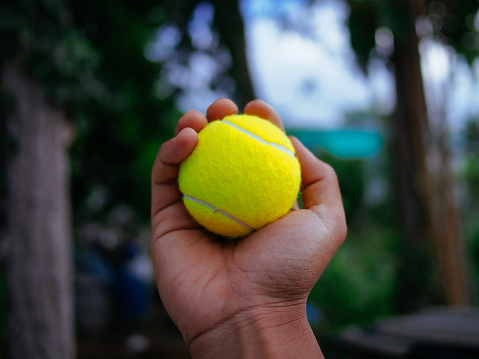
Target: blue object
(344, 143)
(313, 313)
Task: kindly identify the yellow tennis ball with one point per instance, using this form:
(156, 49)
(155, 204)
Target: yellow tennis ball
(242, 175)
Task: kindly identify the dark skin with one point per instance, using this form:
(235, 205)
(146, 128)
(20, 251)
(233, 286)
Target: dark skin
(242, 298)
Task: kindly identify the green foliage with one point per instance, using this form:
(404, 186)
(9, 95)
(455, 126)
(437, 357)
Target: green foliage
(456, 27)
(88, 56)
(471, 136)
(450, 21)
(472, 234)
(470, 171)
(365, 280)
(363, 21)
(40, 35)
(351, 181)
(470, 175)
(359, 284)
(208, 31)
(120, 132)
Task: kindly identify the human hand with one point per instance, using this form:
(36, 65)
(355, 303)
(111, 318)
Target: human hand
(242, 298)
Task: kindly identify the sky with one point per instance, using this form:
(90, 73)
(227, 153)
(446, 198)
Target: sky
(307, 72)
(311, 80)
(314, 81)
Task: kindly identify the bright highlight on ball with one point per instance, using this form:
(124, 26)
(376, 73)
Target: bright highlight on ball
(242, 175)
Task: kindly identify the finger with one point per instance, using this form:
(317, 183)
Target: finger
(179, 147)
(164, 174)
(263, 110)
(192, 119)
(319, 181)
(221, 108)
(321, 194)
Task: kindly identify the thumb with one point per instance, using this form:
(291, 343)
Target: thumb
(320, 187)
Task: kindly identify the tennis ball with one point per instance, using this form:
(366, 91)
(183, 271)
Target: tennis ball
(242, 175)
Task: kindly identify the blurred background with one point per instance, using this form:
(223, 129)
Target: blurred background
(387, 92)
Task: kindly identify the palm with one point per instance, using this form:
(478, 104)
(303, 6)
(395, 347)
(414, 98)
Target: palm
(203, 280)
(219, 278)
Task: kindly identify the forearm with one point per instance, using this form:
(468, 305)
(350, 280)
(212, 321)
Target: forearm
(259, 333)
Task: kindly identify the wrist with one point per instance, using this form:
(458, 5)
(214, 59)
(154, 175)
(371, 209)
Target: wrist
(274, 331)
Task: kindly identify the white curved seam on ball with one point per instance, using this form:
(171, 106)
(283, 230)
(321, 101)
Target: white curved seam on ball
(214, 209)
(258, 138)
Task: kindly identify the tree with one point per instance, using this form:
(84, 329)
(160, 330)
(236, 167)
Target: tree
(40, 267)
(426, 205)
(64, 76)
(230, 24)
(227, 48)
(38, 209)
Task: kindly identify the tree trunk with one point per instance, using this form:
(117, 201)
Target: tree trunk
(429, 216)
(230, 25)
(40, 258)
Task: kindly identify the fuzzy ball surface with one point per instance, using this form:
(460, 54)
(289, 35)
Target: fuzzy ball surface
(242, 175)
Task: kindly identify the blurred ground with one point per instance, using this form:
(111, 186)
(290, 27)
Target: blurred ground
(155, 337)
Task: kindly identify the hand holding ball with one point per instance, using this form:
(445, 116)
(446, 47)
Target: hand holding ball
(242, 175)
